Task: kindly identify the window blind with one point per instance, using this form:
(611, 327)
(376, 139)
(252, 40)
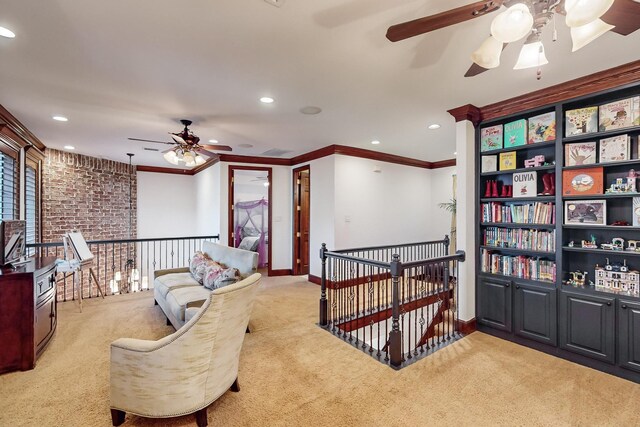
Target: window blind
(31, 204)
(8, 187)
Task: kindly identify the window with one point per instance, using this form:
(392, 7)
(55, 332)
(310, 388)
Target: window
(31, 204)
(8, 187)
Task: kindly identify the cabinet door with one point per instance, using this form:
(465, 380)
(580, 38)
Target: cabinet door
(45, 322)
(587, 325)
(629, 334)
(535, 313)
(494, 303)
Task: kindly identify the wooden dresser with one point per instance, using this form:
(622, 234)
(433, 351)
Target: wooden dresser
(28, 314)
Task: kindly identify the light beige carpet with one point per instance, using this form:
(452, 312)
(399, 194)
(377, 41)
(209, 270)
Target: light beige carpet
(292, 373)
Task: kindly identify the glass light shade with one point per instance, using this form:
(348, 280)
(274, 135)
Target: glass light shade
(488, 54)
(585, 34)
(582, 12)
(170, 156)
(189, 159)
(531, 55)
(180, 155)
(512, 24)
(199, 159)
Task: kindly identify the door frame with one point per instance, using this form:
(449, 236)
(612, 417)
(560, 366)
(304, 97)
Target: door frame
(296, 222)
(230, 212)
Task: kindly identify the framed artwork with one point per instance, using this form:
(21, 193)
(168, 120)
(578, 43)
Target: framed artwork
(582, 181)
(580, 153)
(585, 212)
(491, 138)
(615, 149)
(581, 121)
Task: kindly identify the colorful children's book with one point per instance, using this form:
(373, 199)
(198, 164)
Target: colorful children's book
(620, 114)
(615, 149)
(581, 121)
(582, 181)
(507, 160)
(489, 163)
(542, 128)
(525, 184)
(580, 153)
(491, 138)
(515, 133)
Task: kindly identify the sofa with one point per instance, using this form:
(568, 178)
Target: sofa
(179, 295)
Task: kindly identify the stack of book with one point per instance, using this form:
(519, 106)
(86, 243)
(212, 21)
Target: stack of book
(519, 238)
(528, 213)
(518, 266)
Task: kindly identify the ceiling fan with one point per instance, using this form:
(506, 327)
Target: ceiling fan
(187, 147)
(527, 18)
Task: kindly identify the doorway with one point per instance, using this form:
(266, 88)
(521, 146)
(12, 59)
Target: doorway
(249, 214)
(301, 219)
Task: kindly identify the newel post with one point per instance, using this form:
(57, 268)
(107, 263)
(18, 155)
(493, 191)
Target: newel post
(446, 244)
(323, 286)
(395, 336)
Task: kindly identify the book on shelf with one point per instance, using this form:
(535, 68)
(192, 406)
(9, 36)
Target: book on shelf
(491, 138)
(520, 238)
(615, 149)
(489, 163)
(582, 181)
(508, 161)
(542, 128)
(515, 133)
(522, 266)
(636, 212)
(579, 153)
(581, 121)
(525, 184)
(527, 213)
(620, 114)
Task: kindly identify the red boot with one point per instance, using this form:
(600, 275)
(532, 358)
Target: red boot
(494, 188)
(487, 190)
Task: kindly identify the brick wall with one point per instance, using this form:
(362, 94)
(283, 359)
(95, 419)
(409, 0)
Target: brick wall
(90, 195)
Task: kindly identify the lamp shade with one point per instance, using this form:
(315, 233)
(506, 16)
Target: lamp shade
(170, 156)
(488, 54)
(199, 159)
(585, 34)
(582, 12)
(512, 24)
(189, 159)
(531, 55)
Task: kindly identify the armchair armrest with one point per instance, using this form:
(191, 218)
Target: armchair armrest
(159, 273)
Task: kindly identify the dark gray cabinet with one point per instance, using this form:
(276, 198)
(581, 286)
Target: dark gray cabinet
(587, 325)
(534, 313)
(629, 334)
(494, 303)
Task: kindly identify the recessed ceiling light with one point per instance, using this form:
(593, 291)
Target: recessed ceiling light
(5, 32)
(60, 118)
(266, 100)
(245, 145)
(69, 147)
(434, 126)
(310, 110)
(455, 153)
(213, 141)
(375, 142)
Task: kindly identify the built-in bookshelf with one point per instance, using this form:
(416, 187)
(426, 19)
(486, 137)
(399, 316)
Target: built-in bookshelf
(551, 258)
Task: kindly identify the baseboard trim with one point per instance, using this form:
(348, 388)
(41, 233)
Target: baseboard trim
(281, 272)
(467, 326)
(314, 279)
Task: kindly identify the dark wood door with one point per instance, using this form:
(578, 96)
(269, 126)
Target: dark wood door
(534, 313)
(494, 303)
(301, 214)
(629, 334)
(587, 325)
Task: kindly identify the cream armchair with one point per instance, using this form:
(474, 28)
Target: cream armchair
(184, 372)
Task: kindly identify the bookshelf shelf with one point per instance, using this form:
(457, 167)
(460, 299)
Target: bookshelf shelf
(522, 147)
(600, 251)
(592, 290)
(515, 251)
(603, 196)
(632, 162)
(600, 135)
(519, 199)
(517, 225)
(602, 227)
(546, 283)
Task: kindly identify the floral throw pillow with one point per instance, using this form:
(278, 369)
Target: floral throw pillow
(218, 276)
(198, 265)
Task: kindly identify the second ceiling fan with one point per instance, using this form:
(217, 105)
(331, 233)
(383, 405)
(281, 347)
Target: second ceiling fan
(527, 18)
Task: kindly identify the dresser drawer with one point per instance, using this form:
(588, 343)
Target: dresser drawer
(45, 285)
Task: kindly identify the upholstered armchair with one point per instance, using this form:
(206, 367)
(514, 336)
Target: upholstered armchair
(184, 372)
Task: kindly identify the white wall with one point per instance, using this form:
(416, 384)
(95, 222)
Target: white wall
(208, 189)
(441, 192)
(166, 205)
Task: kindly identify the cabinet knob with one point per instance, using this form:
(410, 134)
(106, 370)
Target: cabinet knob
(517, 286)
(52, 315)
(609, 303)
(507, 285)
(624, 306)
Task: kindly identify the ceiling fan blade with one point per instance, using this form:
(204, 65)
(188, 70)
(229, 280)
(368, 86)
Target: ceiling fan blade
(444, 19)
(216, 147)
(177, 138)
(206, 152)
(474, 70)
(149, 140)
(625, 15)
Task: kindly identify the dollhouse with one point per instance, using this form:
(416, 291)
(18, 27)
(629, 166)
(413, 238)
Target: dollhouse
(617, 277)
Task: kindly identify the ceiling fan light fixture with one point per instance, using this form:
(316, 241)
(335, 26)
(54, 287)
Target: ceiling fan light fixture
(488, 54)
(171, 157)
(585, 34)
(512, 24)
(199, 159)
(531, 55)
(582, 12)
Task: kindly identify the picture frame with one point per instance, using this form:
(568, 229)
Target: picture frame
(585, 212)
(580, 153)
(587, 181)
(615, 149)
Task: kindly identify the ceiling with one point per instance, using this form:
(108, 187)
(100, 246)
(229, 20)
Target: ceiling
(125, 68)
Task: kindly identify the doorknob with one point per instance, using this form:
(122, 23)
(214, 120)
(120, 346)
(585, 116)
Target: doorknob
(624, 306)
(609, 303)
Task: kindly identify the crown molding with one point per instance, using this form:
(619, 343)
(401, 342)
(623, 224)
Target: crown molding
(17, 129)
(466, 112)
